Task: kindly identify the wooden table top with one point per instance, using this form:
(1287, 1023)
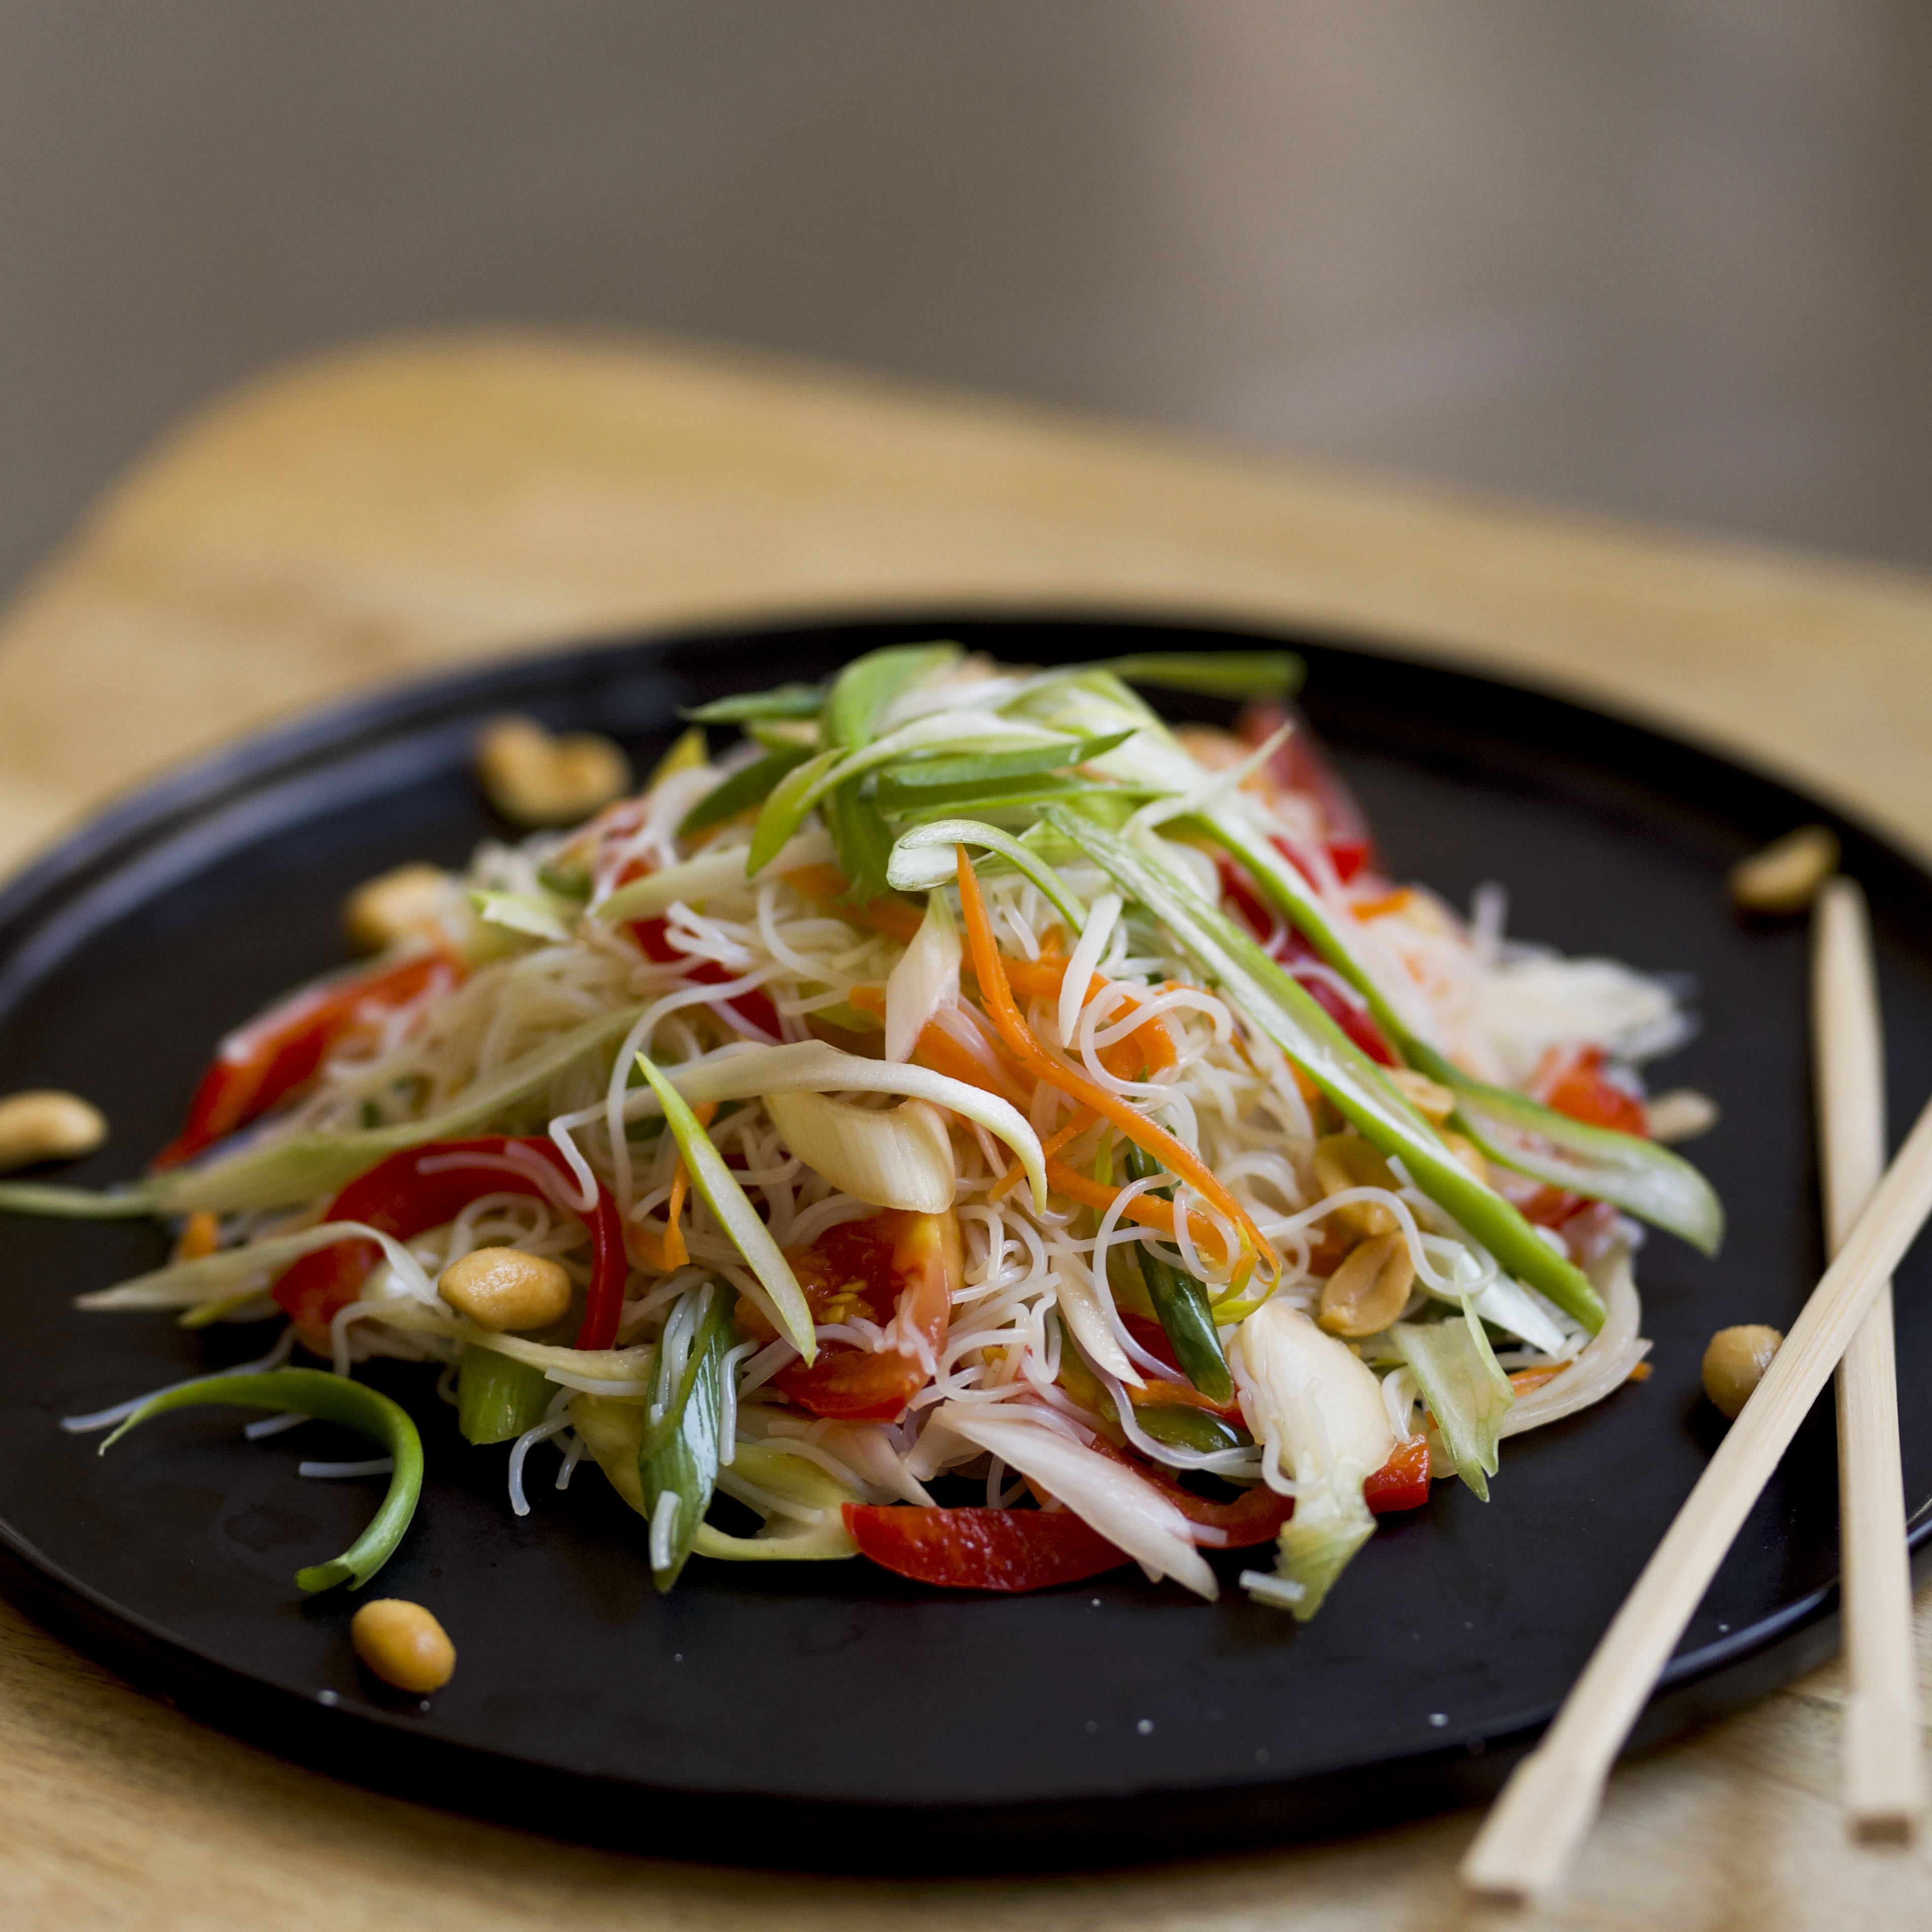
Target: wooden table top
(411, 504)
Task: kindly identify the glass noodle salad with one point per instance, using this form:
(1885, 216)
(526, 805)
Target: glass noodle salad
(964, 1123)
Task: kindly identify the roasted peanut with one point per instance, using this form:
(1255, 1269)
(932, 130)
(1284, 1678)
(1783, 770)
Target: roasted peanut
(403, 1644)
(1681, 1114)
(48, 1125)
(1785, 877)
(1736, 1362)
(1429, 1098)
(1342, 1161)
(412, 902)
(533, 778)
(1468, 1153)
(1370, 1288)
(504, 1288)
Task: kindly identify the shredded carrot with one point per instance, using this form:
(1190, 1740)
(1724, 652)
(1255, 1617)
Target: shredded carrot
(1179, 1160)
(1149, 1210)
(1389, 902)
(1041, 979)
(1083, 1117)
(200, 1235)
(672, 1253)
(1524, 1380)
(893, 917)
(941, 1052)
(1639, 1373)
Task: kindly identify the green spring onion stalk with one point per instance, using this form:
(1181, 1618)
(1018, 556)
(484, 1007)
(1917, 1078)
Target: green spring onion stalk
(788, 700)
(330, 1398)
(1182, 1427)
(750, 785)
(497, 1398)
(941, 774)
(682, 1445)
(1464, 1388)
(1284, 1012)
(717, 1187)
(924, 859)
(1635, 1174)
(1180, 1302)
(837, 770)
(1211, 674)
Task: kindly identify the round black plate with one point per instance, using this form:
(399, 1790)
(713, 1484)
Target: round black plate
(829, 1715)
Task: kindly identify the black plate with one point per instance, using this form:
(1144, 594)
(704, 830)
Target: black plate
(829, 1715)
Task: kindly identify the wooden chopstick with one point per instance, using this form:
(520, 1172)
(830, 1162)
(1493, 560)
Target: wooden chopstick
(1537, 1827)
(1883, 1775)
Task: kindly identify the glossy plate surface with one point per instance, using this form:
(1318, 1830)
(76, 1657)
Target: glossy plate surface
(829, 1714)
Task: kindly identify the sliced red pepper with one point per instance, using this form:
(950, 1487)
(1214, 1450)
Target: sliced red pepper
(398, 1197)
(265, 1060)
(892, 1264)
(1401, 1483)
(981, 1548)
(754, 1008)
(1304, 964)
(1571, 1081)
(1299, 765)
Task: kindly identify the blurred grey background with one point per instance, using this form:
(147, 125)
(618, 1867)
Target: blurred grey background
(1665, 256)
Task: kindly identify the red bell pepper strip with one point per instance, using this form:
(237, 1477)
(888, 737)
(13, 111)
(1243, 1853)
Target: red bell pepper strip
(1299, 765)
(398, 1197)
(1401, 1483)
(755, 1007)
(1303, 963)
(981, 1548)
(1571, 1081)
(902, 1267)
(265, 1060)
(1252, 1517)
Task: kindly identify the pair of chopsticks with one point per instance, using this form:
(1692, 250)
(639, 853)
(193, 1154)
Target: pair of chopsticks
(1538, 1825)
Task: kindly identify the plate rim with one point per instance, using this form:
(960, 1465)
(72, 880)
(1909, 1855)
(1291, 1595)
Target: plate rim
(1695, 1684)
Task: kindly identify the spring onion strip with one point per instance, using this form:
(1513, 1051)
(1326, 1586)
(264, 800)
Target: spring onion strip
(216, 1276)
(810, 1067)
(799, 790)
(1284, 1012)
(1633, 1174)
(925, 858)
(697, 879)
(330, 1398)
(304, 1165)
(520, 912)
(728, 1201)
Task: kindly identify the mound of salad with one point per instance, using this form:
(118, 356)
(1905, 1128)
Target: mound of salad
(963, 1123)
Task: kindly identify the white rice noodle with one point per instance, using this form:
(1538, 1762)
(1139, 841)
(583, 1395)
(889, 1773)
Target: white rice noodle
(1603, 1367)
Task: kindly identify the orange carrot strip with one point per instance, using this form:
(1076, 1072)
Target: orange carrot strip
(1083, 1117)
(1177, 1160)
(1389, 902)
(671, 1244)
(893, 917)
(1041, 979)
(1149, 1210)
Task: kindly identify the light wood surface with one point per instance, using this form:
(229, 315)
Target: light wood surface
(1882, 1749)
(411, 504)
(1529, 1841)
